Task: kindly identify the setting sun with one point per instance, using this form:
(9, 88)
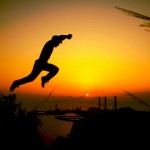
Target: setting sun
(87, 94)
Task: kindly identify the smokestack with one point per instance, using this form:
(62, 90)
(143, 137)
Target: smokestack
(99, 103)
(105, 103)
(115, 102)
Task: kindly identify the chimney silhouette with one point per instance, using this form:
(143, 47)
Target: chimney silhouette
(115, 102)
(99, 103)
(105, 103)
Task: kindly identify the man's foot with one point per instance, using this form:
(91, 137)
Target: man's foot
(13, 86)
(43, 81)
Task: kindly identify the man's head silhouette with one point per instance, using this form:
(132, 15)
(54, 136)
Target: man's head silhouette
(56, 40)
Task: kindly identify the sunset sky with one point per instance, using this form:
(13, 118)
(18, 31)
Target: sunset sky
(109, 52)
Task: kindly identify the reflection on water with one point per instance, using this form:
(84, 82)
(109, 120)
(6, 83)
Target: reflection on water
(52, 127)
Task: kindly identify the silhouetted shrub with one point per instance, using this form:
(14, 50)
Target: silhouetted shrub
(18, 128)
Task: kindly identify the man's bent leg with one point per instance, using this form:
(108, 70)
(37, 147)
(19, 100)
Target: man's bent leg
(53, 70)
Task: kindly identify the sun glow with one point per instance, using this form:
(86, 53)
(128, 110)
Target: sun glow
(87, 94)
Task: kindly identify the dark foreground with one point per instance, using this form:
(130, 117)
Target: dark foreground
(124, 128)
(119, 129)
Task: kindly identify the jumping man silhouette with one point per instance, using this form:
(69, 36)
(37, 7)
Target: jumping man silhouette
(42, 64)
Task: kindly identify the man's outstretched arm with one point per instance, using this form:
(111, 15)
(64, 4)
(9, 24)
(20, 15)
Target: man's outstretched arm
(69, 36)
(63, 37)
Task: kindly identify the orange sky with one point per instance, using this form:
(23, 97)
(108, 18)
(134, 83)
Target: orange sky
(109, 52)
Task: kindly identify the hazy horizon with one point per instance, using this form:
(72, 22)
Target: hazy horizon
(30, 101)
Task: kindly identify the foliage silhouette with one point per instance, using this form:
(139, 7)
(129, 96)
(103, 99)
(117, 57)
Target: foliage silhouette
(18, 128)
(136, 98)
(137, 15)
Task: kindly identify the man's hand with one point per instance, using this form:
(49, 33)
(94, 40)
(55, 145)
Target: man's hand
(69, 36)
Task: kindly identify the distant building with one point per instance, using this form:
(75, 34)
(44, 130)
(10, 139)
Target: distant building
(93, 110)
